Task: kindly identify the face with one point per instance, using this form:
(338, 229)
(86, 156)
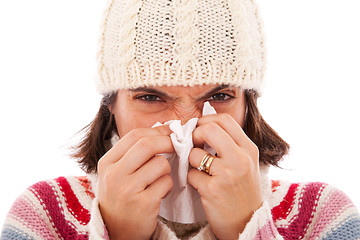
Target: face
(143, 107)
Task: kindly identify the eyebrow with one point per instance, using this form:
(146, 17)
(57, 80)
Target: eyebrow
(215, 90)
(150, 90)
(165, 95)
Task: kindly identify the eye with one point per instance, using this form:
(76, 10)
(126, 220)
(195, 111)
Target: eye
(149, 98)
(220, 97)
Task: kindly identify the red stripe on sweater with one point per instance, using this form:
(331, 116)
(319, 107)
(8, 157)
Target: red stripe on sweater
(86, 184)
(308, 202)
(49, 200)
(283, 209)
(74, 206)
(274, 184)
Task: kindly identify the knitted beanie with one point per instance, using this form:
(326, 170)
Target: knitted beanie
(180, 42)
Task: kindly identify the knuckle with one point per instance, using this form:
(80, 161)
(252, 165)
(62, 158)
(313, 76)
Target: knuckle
(213, 189)
(126, 190)
(162, 163)
(246, 167)
(152, 201)
(255, 152)
(166, 166)
(101, 165)
(192, 159)
(144, 143)
(166, 186)
(108, 177)
(248, 156)
(207, 128)
(244, 163)
(136, 134)
(212, 125)
(229, 177)
(251, 145)
(225, 117)
(169, 182)
(104, 162)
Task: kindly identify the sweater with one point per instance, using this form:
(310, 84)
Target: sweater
(67, 208)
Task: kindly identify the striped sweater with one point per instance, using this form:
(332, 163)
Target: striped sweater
(67, 208)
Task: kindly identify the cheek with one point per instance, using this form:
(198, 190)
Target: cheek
(239, 116)
(239, 111)
(236, 110)
(127, 120)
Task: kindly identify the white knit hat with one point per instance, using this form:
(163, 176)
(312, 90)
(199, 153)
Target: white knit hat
(180, 42)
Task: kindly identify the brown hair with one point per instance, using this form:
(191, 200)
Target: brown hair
(98, 134)
(271, 146)
(96, 141)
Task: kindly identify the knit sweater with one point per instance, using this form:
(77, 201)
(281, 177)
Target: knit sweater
(67, 208)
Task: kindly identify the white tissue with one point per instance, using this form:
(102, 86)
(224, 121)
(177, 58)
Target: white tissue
(183, 204)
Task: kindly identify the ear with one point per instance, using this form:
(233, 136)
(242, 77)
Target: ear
(110, 107)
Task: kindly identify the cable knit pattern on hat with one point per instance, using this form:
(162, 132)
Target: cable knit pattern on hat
(180, 42)
(67, 208)
(186, 34)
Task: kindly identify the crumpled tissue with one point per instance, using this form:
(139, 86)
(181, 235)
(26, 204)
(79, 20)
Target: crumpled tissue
(183, 204)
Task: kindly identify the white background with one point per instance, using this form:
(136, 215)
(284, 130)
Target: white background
(47, 94)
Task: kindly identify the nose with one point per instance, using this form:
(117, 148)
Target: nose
(187, 112)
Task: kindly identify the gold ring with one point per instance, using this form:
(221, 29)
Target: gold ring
(206, 163)
(203, 162)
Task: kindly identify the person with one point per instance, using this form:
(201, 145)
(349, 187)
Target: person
(161, 60)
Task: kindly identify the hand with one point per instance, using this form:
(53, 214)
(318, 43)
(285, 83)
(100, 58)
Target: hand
(231, 193)
(132, 182)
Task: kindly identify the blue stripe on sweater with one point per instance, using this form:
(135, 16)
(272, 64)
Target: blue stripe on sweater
(12, 233)
(350, 230)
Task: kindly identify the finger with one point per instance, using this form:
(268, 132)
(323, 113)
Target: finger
(144, 149)
(228, 123)
(160, 188)
(199, 181)
(212, 134)
(231, 127)
(195, 157)
(126, 142)
(153, 169)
